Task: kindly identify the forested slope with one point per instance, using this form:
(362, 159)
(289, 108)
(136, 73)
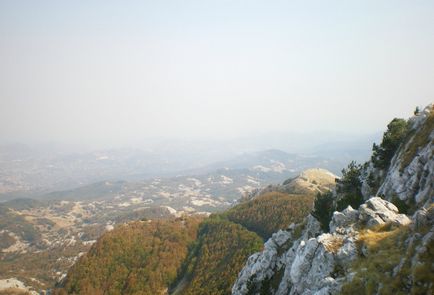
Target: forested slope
(140, 257)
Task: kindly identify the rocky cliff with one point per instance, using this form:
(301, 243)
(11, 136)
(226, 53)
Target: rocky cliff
(409, 177)
(371, 249)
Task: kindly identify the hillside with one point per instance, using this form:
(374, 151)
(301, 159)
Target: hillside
(139, 257)
(367, 246)
(152, 257)
(309, 181)
(43, 239)
(227, 239)
(270, 212)
(356, 239)
(224, 241)
(40, 241)
(220, 252)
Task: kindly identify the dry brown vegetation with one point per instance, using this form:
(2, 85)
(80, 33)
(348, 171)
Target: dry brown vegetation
(220, 254)
(270, 212)
(14, 291)
(386, 248)
(334, 244)
(420, 139)
(140, 257)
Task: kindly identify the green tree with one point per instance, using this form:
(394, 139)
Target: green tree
(349, 187)
(395, 134)
(323, 209)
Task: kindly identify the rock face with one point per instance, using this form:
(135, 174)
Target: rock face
(409, 180)
(314, 263)
(278, 251)
(377, 211)
(304, 260)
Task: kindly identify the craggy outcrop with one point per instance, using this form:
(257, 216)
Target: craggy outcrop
(314, 263)
(304, 260)
(411, 172)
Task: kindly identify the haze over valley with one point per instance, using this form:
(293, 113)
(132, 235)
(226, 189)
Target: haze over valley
(216, 147)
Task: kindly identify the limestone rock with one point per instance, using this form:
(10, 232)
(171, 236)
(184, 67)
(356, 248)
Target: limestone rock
(309, 264)
(313, 262)
(343, 219)
(412, 183)
(377, 211)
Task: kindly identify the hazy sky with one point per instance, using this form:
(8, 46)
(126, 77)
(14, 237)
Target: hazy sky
(122, 71)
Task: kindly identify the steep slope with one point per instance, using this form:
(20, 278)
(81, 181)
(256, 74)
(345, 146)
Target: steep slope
(136, 258)
(371, 250)
(216, 252)
(270, 212)
(220, 253)
(411, 173)
(227, 239)
(405, 178)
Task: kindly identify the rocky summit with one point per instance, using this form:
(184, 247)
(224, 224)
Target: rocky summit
(370, 249)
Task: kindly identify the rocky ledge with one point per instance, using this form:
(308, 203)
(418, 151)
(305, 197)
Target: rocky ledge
(303, 260)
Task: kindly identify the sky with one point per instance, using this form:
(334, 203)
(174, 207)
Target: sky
(117, 72)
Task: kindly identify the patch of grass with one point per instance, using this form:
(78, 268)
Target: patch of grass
(14, 291)
(334, 244)
(420, 139)
(423, 273)
(387, 248)
(298, 230)
(376, 238)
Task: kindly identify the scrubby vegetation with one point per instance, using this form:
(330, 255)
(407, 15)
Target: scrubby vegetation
(226, 240)
(23, 204)
(220, 253)
(137, 258)
(28, 265)
(421, 138)
(6, 240)
(323, 209)
(378, 271)
(349, 187)
(15, 223)
(147, 257)
(395, 134)
(270, 212)
(14, 291)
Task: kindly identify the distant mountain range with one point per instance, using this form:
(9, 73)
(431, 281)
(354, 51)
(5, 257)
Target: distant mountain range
(69, 200)
(27, 171)
(158, 236)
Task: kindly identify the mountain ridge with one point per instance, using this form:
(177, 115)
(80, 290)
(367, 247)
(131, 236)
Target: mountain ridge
(370, 249)
(364, 233)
